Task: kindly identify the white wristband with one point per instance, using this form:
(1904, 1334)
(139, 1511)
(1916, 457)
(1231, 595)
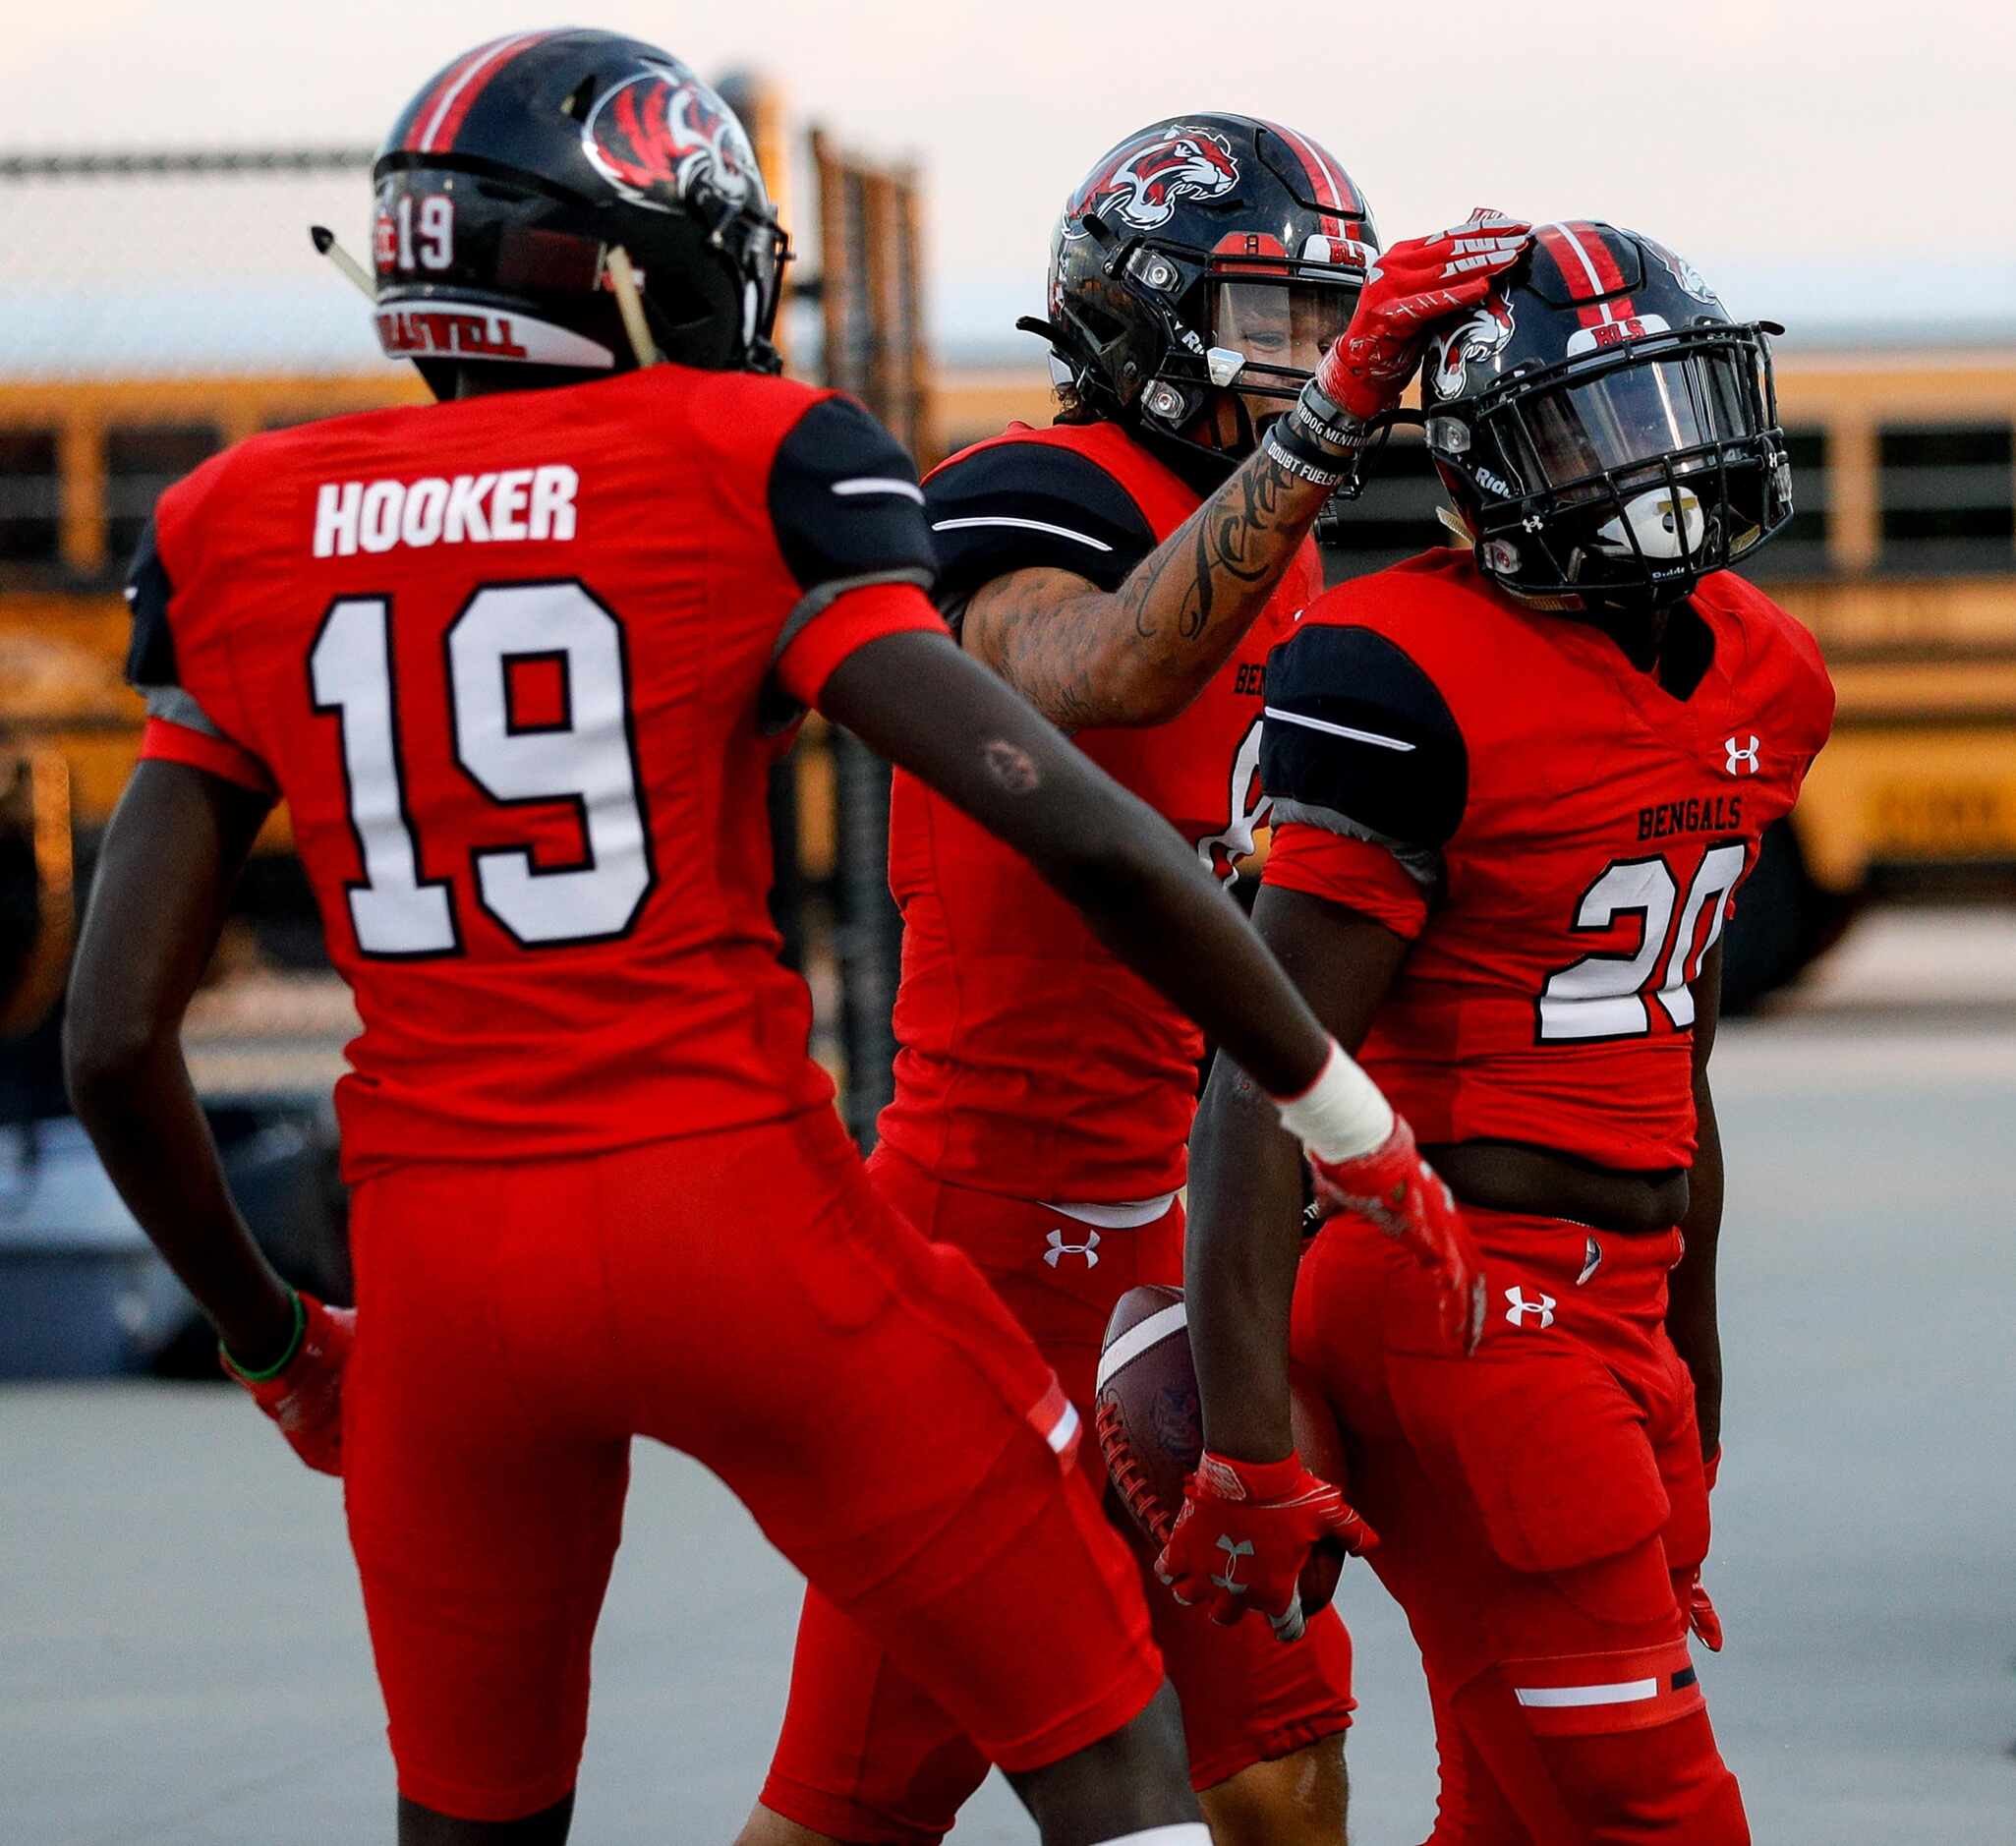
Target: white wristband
(1342, 1114)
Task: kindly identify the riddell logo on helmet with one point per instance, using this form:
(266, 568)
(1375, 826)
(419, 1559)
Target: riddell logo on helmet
(1142, 180)
(663, 131)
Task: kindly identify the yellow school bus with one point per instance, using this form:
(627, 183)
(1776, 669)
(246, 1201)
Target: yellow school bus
(1902, 560)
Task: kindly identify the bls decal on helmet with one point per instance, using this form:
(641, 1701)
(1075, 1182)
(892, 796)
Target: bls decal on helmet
(1615, 333)
(1470, 342)
(662, 133)
(1142, 180)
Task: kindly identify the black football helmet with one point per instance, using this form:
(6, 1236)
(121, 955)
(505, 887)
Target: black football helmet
(505, 182)
(1206, 254)
(1608, 435)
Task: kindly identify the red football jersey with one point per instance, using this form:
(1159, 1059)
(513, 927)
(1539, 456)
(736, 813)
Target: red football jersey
(1030, 1062)
(519, 664)
(1558, 834)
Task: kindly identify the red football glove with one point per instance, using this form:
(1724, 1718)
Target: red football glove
(1245, 1533)
(304, 1392)
(1413, 285)
(1701, 1616)
(1398, 1192)
(1410, 287)
(1700, 1612)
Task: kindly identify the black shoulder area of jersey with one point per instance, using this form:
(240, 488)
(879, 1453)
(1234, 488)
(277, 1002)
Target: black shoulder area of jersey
(1355, 731)
(150, 655)
(1027, 506)
(845, 505)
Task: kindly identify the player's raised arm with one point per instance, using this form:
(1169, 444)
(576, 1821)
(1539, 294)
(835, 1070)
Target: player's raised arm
(1139, 652)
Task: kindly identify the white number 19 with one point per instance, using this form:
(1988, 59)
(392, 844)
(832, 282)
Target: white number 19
(585, 759)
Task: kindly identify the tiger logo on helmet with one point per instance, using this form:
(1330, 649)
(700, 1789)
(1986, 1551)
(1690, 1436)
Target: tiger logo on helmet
(1142, 180)
(1470, 342)
(663, 132)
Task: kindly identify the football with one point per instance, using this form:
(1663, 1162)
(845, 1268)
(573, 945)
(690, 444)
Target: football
(1151, 1426)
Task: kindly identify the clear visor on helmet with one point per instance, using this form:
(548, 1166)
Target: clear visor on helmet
(1624, 423)
(1281, 329)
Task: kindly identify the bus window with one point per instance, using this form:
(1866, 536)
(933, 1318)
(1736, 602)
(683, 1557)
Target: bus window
(1948, 497)
(31, 498)
(1394, 516)
(142, 460)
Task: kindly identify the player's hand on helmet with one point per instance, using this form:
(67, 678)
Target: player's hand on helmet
(1410, 288)
(304, 1392)
(1399, 1194)
(1413, 286)
(1245, 1532)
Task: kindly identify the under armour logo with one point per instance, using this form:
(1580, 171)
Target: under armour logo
(1089, 1250)
(1738, 756)
(1232, 1553)
(1521, 1308)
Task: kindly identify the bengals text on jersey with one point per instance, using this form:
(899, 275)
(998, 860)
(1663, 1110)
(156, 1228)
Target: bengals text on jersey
(1559, 836)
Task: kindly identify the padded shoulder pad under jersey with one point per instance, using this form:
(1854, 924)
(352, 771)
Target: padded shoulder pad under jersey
(150, 655)
(1028, 506)
(1359, 739)
(845, 505)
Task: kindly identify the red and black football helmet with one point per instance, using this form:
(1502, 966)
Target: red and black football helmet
(506, 181)
(1607, 433)
(1206, 254)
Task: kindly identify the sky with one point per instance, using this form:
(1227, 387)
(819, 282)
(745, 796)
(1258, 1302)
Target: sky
(1826, 164)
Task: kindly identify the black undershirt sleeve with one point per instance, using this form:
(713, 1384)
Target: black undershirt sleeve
(1359, 739)
(150, 655)
(1030, 506)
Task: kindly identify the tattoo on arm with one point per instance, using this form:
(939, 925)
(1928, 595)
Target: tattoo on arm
(1139, 654)
(1238, 538)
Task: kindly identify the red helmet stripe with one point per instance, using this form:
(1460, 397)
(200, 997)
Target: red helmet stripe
(1326, 179)
(439, 117)
(1590, 269)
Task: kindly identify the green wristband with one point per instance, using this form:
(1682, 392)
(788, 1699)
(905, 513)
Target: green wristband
(285, 1360)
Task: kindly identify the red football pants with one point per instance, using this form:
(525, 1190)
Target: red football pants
(1540, 1505)
(747, 1298)
(867, 1754)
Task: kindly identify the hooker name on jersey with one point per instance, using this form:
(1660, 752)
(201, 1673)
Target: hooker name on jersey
(517, 665)
(512, 505)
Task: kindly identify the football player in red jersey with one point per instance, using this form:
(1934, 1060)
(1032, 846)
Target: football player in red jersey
(518, 662)
(1126, 570)
(1516, 788)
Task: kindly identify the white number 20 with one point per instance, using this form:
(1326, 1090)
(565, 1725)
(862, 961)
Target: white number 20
(1605, 996)
(585, 759)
